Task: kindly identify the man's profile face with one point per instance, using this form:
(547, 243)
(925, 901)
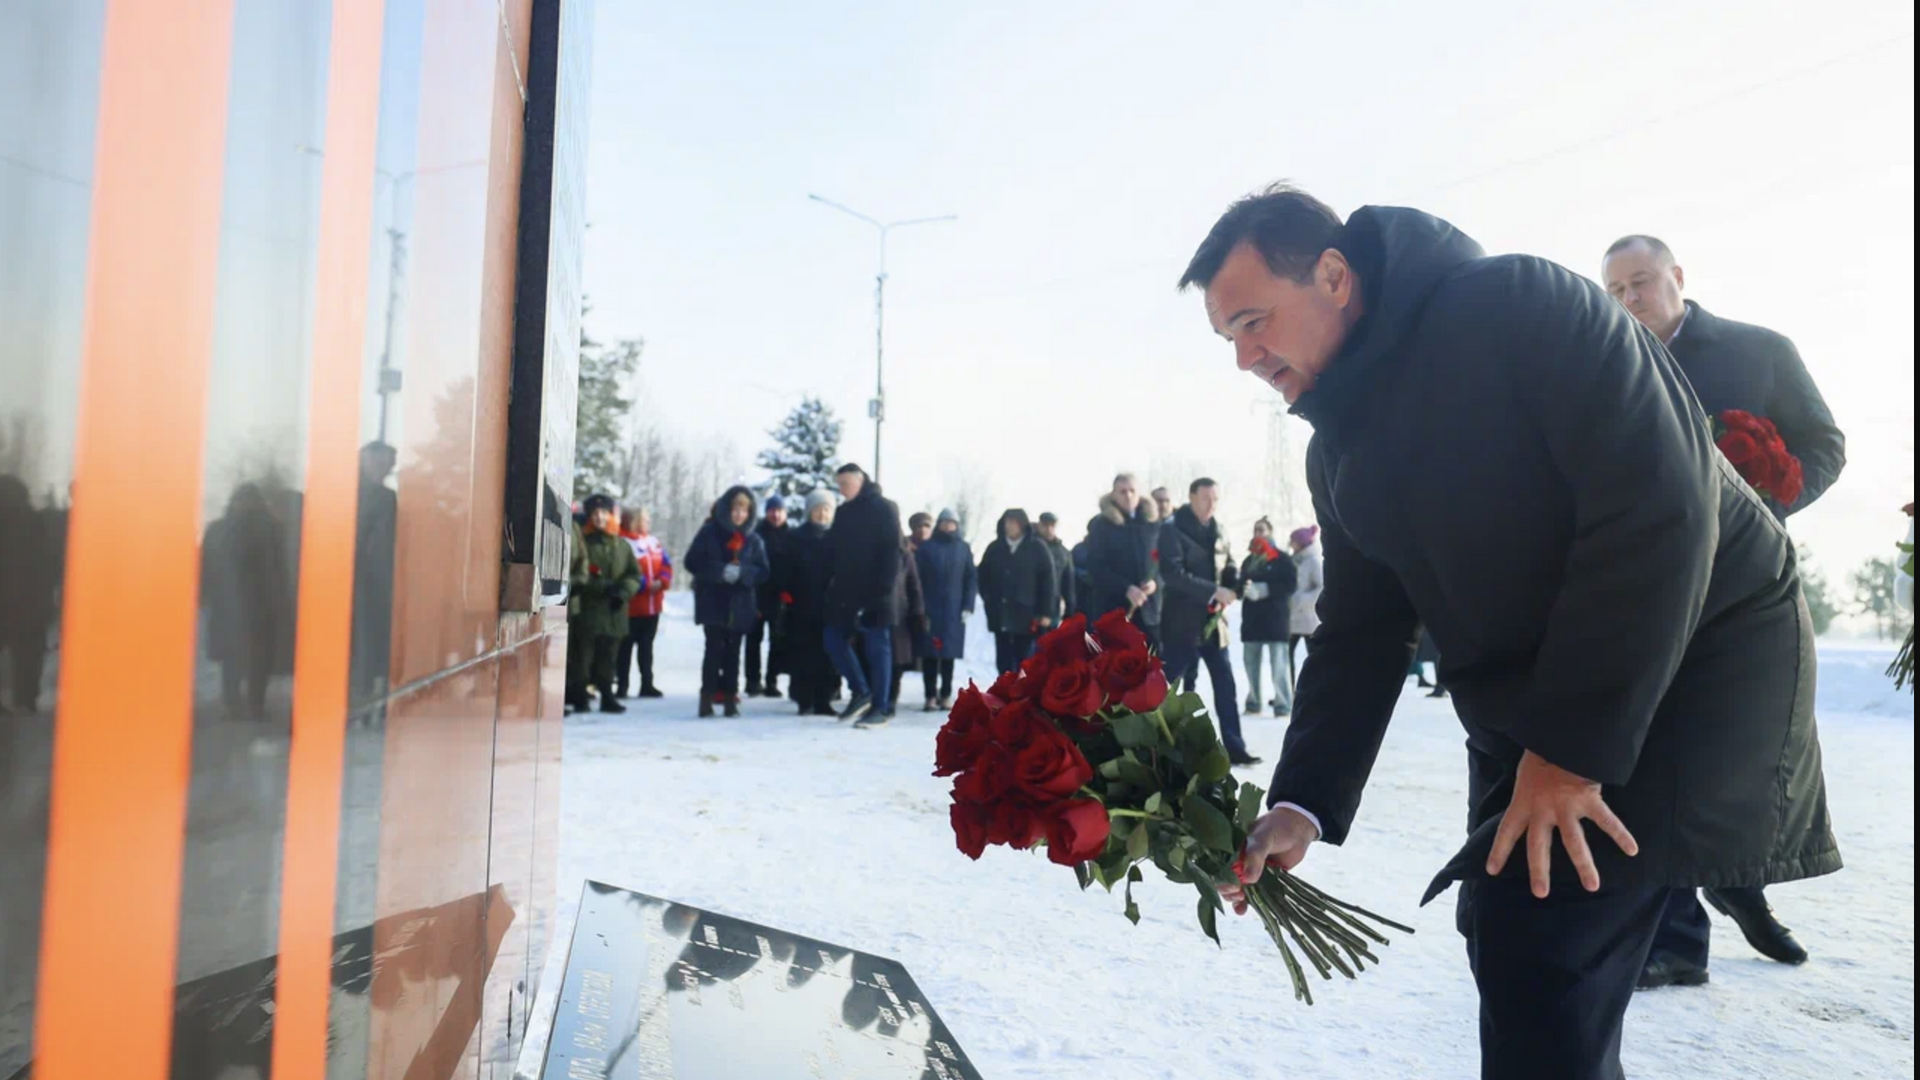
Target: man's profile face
(1285, 333)
(1045, 530)
(777, 516)
(1126, 496)
(1163, 500)
(1205, 501)
(1649, 286)
(848, 483)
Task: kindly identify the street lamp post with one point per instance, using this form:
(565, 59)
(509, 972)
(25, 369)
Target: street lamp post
(877, 408)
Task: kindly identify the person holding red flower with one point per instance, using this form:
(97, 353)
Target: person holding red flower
(605, 578)
(1267, 580)
(728, 563)
(1778, 433)
(1504, 458)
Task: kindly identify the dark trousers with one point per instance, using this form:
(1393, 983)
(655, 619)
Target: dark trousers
(637, 646)
(1685, 929)
(590, 661)
(1186, 660)
(1555, 975)
(776, 654)
(1011, 650)
(813, 680)
(938, 676)
(869, 672)
(1293, 655)
(720, 666)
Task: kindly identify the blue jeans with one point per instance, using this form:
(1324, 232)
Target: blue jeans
(1185, 660)
(877, 644)
(1274, 655)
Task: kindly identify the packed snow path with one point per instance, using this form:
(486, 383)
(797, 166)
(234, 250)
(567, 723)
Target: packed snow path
(842, 835)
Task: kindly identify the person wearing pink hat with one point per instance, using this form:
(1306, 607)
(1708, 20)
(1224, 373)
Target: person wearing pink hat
(1305, 616)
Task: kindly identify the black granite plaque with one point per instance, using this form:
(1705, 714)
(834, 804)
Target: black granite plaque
(660, 991)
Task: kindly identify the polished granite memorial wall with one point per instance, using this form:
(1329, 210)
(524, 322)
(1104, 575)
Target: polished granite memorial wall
(278, 774)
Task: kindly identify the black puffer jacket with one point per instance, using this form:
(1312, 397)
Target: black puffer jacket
(1266, 619)
(1124, 551)
(863, 560)
(1018, 586)
(1603, 589)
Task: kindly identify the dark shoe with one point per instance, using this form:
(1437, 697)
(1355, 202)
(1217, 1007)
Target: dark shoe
(732, 705)
(651, 692)
(621, 692)
(873, 720)
(754, 689)
(1438, 692)
(611, 704)
(825, 710)
(578, 701)
(1749, 909)
(706, 707)
(773, 689)
(861, 705)
(1243, 759)
(1665, 969)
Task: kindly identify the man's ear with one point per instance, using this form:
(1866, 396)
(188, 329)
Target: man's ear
(1680, 277)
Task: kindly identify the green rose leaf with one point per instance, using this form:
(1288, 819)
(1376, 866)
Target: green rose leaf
(1207, 921)
(1133, 910)
(1248, 810)
(1215, 766)
(1209, 825)
(1135, 729)
(1139, 844)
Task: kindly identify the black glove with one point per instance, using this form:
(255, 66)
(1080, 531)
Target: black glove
(616, 602)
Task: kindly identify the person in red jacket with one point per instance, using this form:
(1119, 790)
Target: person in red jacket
(643, 613)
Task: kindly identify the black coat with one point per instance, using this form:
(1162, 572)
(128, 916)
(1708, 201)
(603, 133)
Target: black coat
(1189, 574)
(863, 558)
(911, 640)
(1063, 574)
(1018, 587)
(777, 539)
(716, 602)
(1123, 552)
(802, 574)
(1268, 619)
(1736, 366)
(948, 580)
(1503, 454)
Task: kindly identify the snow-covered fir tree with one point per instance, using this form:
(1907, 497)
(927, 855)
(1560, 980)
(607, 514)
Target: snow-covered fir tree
(606, 372)
(805, 450)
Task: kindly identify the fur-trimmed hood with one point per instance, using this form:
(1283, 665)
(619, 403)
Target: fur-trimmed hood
(1110, 510)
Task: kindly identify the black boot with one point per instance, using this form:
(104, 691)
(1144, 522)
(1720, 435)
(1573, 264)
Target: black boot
(706, 707)
(610, 703)
(733, 705)
(754, 689)
(773, 689)
(1748, 907)
(1666, 969)
(651, 691)
(577, 699)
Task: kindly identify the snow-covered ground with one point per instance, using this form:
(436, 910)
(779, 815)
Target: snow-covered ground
(842, 835)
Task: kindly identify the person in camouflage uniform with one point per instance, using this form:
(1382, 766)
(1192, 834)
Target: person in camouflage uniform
(605, 576)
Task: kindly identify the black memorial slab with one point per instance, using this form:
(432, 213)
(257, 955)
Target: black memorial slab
(656, 990)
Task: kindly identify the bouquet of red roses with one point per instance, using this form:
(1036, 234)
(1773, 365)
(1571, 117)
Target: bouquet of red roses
(1759, 454)
(1084, 751)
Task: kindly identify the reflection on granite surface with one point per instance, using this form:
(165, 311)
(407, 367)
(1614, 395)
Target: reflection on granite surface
(660, 991)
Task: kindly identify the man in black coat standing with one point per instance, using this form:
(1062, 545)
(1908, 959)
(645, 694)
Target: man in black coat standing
(1048, 529)
(776, 536)
(1731, 366)
(1197, 591)
(1503, 455)
(1123, 549)
(1020, 588)
(863, 557)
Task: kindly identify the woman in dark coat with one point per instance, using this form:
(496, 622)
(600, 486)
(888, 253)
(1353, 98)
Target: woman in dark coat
(911, 640)
(948, 580)
(728, 562)
(1019, 588)
(803, 575)
(1267, 578)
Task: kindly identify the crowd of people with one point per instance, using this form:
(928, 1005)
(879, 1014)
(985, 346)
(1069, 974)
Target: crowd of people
(844, 603)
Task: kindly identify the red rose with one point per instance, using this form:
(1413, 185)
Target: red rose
(1740, 448)
(1116, 631)
(1153, 556)
(593, 569)
(964, 736)
(1077, 831)
(786, 598)
(1791, 485)
(1009, 687)
(1065, 644)
(1072, 691)
(1014, 824)
(987, 780)
(736, 542)
(1740, 420)
(1049, 766)
(1036, 668)
(970, 827)
(1133, 677)
(1014, 726)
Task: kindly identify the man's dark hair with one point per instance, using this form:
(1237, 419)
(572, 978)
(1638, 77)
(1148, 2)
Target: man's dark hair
(1203, 482)
(1288, 227)
(1653, 244)
(919, 519)
(849, 469)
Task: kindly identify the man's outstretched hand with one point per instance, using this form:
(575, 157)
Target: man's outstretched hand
(1279, 840)
(1545, 798)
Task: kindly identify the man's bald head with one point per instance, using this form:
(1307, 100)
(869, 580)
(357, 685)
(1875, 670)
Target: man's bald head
(1641, 272)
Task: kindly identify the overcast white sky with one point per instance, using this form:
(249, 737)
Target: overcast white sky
(1088, 146)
